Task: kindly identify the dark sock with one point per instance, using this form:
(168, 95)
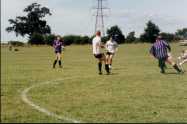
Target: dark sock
(107, 68)
(176, 68)
(60, 64)
(162, 71)
(165, 66)
(100, 67)
(54, 63)
(162, 65)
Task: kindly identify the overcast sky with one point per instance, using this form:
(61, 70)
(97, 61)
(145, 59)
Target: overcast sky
(76, 16)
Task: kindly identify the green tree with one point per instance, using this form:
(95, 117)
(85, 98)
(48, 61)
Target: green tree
(37, 39)
(31, 24)
(48, 39)
(182, 33)
(85, 40)
(116, 32)
(151, 32)
(131, 37)
(168, 36)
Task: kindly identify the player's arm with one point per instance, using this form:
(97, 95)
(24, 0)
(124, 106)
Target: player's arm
(98, 45)
(63, 47)
(54, 45)
(168, 46)
(102, 45)
(152, 51)
(106, 45)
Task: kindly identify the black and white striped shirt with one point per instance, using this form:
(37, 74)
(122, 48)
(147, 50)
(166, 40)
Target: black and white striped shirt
(160, 49)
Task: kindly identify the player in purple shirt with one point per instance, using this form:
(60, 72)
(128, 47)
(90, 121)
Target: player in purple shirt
(160, 51)
(57, 44)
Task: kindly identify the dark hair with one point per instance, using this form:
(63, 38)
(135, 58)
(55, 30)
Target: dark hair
(98, 33)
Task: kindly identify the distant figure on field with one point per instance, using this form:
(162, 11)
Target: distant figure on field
(111, 47)
(58, 47)
(160, 51)
(10, 46)
(97, 46)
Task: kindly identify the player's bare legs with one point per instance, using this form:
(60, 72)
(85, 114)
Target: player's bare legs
(184, 61)
(171, 62)
(110, 61)
(101, 60)
(59, 59)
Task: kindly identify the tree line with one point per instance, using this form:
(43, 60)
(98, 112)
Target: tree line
(38, 31)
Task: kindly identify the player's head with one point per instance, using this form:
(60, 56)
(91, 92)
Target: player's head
(111, 38)
(58, 38)
(159, 37)
(98, 33)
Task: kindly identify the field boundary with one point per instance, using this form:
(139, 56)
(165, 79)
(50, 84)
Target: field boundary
(26, 100)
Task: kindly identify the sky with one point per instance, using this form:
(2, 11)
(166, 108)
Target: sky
(77, 16)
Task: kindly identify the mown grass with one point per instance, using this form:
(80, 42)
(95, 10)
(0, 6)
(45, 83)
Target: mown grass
(134, 92)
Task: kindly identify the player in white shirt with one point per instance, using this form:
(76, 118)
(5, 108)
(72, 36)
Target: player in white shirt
(183, 58)
(97, 52)
(111, 47)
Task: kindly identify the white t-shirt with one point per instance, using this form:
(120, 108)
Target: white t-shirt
(96, 44)
(111, 46)
(185, 55)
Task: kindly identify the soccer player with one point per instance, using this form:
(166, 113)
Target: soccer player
(97, 52)
(111, 47)
(183, 58)
(160, 51)
(58, 47)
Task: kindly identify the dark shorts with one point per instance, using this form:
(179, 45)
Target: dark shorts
(98, 56)
(164, 58)
(161, 62)
(58, 52)
(109, 53)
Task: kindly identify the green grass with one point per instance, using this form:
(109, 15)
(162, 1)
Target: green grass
(135, 92)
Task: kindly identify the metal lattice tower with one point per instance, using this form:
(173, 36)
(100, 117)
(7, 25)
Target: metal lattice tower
(99, 23)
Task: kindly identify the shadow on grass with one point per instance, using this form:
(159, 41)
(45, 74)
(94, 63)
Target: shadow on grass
(123, 68)
(170, 73)
(112, 73)
(173, 73)
(169, 68)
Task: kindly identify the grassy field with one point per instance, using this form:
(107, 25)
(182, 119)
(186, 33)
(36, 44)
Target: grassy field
(134, 92)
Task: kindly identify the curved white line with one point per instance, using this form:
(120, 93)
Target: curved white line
(39, 108)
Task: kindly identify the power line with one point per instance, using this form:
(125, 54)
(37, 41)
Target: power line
(99, 22)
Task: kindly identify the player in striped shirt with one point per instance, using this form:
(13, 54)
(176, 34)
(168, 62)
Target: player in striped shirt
(160, 51)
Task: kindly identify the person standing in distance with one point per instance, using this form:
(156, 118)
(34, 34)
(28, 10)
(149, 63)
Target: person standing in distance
(160, 51)
(97, 52)
(57, 44)
(111, 47)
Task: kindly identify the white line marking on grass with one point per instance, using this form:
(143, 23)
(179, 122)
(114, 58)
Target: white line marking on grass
(39, 108)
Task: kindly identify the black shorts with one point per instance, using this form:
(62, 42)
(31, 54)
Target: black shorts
(109, 53)
(98, 56)
(58, 52)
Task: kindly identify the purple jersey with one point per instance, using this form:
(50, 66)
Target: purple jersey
(57, 45)
(159, 49)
